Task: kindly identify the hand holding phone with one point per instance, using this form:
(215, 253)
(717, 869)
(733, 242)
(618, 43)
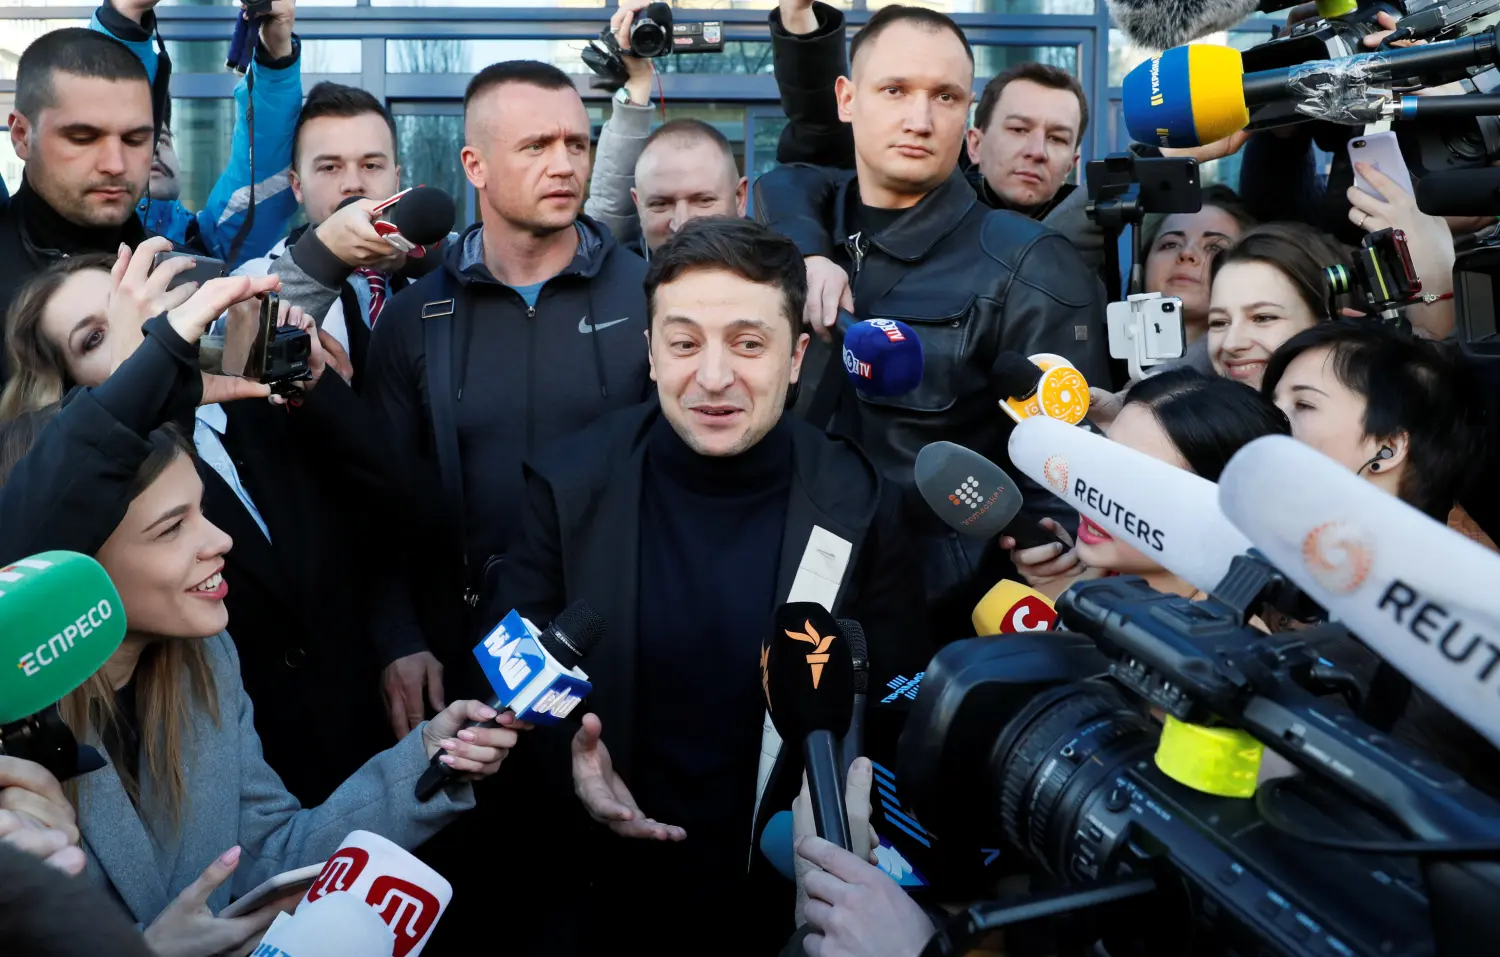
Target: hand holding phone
(1382, 151)
(288, 886)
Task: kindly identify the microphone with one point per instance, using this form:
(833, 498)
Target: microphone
(413, 219)
(1011, 607)
(1168, 513)
(1043, 384)
(1460, 192)
(807, 674)
(1159, 24)
(383, 879)
(1417, 593)
(1197, 94)
(853, 743)
(534, 675)
(974, 496)
(336, 924)
(883, 357)
(60, 620)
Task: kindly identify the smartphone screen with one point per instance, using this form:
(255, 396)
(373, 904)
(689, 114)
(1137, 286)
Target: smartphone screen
(202, 271)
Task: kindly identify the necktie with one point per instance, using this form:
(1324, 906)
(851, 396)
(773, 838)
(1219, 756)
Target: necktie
(378, 290)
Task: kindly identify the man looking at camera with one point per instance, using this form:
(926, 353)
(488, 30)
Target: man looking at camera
(686, 522)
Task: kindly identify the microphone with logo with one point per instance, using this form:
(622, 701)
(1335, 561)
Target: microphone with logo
(534, 674)
(807, 673)
(973, 496)
(1419, 594)
(413, 220)
(60, 620)
(883, 357)
(1011, 608)
(1169, 514)
(1044, 384)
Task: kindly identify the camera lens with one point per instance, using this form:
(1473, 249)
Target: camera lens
(1338, 279)
(648, 39)
(1069, 749)
(1169, 307)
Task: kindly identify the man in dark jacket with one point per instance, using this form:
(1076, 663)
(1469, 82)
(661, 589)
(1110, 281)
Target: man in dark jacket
(918, 246)
(685, 522)
(529, 332)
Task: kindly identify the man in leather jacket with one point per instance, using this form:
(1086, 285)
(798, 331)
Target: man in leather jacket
(918, 246)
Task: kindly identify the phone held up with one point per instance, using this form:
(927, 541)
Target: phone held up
(258, 348)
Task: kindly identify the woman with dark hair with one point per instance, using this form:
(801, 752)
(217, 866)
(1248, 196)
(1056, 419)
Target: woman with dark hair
(1181, 249)
(1267, 289)
(1190, 420)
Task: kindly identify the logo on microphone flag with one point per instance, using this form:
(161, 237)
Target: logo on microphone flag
(1029, 614)
(1338, 556)
(407, 909)
(1055, 471)
(340, 873)
(821, 643)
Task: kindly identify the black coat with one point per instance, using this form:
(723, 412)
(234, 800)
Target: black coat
(580, 540)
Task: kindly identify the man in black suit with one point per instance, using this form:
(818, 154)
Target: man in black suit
(685, 522)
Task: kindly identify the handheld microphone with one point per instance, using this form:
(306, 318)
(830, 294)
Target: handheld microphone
(1419, 594)
(883, 357)
(1011, 607)
(1168, 513)
(1159, 24)
(337, 924)
(853, 743)
(413, 220)
(807, 674)
(973, 496)
(1043, 384)
(1198, 94)
(60, 620)
(385, 880)
(534, 675)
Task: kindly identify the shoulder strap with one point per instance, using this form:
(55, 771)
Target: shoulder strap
(438, 318)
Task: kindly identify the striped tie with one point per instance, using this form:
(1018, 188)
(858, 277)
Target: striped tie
(378, 290)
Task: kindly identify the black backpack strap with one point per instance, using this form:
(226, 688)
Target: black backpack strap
(438, 319)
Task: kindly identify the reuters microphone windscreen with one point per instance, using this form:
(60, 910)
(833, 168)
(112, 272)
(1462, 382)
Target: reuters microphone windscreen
(1168, 514)
(1187, 96)
(1011, 607)
(1417, 593)
(60, 620)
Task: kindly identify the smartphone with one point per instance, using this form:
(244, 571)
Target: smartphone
(1028, 532)
(282, 885)
(202, 271)
(1153, 321)
(1382, 151)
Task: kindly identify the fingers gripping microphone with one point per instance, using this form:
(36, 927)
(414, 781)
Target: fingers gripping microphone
(534, 675)
(60, 620)
(1010, 608)
(1167, 513)
(883, 357)
(1420, 595)
(807, 673)
(1043, 384)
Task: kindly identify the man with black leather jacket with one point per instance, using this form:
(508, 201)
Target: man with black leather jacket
(918, 246)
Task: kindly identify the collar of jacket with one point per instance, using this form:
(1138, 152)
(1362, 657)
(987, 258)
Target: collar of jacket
(465, 257)
(994, 200)
(915, 234)
(48, 235)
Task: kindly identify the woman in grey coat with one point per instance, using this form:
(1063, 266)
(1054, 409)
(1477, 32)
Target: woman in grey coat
(188, 814)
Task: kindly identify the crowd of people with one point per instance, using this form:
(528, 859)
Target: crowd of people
(614, 388)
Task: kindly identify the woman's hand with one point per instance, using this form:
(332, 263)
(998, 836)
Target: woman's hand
(1427, 237)
(474, 752)
(1049, 568)
(193, 318)
(138, 292)
(187, 928)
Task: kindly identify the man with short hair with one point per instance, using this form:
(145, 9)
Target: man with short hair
(82, 125)
(918, 246)
(685, 522)
(524, 334)
(1026, 138)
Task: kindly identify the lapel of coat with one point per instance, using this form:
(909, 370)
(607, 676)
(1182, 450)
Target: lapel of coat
(114, 834)
(252, 552)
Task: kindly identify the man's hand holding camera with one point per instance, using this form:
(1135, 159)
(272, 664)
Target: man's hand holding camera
(638, 70)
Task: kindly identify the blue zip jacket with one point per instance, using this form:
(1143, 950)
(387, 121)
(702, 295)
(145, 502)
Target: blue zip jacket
(278, 100)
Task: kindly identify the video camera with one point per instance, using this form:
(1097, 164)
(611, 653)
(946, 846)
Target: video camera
(652, 34)
(1049, 740)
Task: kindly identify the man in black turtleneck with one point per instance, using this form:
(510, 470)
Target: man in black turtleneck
(685, 522)
(82, 124)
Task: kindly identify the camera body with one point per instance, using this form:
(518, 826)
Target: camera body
(1476, 296)
(261, 349)
(1382, 277)
(653, 34)
(1047, 742)
(1146, 329)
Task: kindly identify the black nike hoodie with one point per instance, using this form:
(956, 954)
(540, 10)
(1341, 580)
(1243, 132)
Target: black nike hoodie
(518, 378)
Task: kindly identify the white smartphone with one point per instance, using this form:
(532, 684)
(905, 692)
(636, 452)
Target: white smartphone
(1382, 151)
(273, 888)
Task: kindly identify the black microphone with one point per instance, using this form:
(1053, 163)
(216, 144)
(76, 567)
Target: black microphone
(853, 743)
(807, 673)
(423, 216)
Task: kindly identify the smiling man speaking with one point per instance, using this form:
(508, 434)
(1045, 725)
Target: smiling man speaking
(685, 523)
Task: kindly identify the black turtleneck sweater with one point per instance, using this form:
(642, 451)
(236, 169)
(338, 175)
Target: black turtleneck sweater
(710, 546)
(34, 235)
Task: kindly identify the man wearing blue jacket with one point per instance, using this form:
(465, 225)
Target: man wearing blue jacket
(277, 79)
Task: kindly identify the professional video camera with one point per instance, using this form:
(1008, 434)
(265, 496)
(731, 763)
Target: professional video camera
(1144, 328)
(652, 34)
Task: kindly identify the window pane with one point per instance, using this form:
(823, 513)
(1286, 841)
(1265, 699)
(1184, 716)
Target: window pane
(767, 138)
(16, 36)
(202, 130)
(739, 56)
(318, 56)
(10, 163)
(1074, 7)
(428, 146)
(989, 60)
